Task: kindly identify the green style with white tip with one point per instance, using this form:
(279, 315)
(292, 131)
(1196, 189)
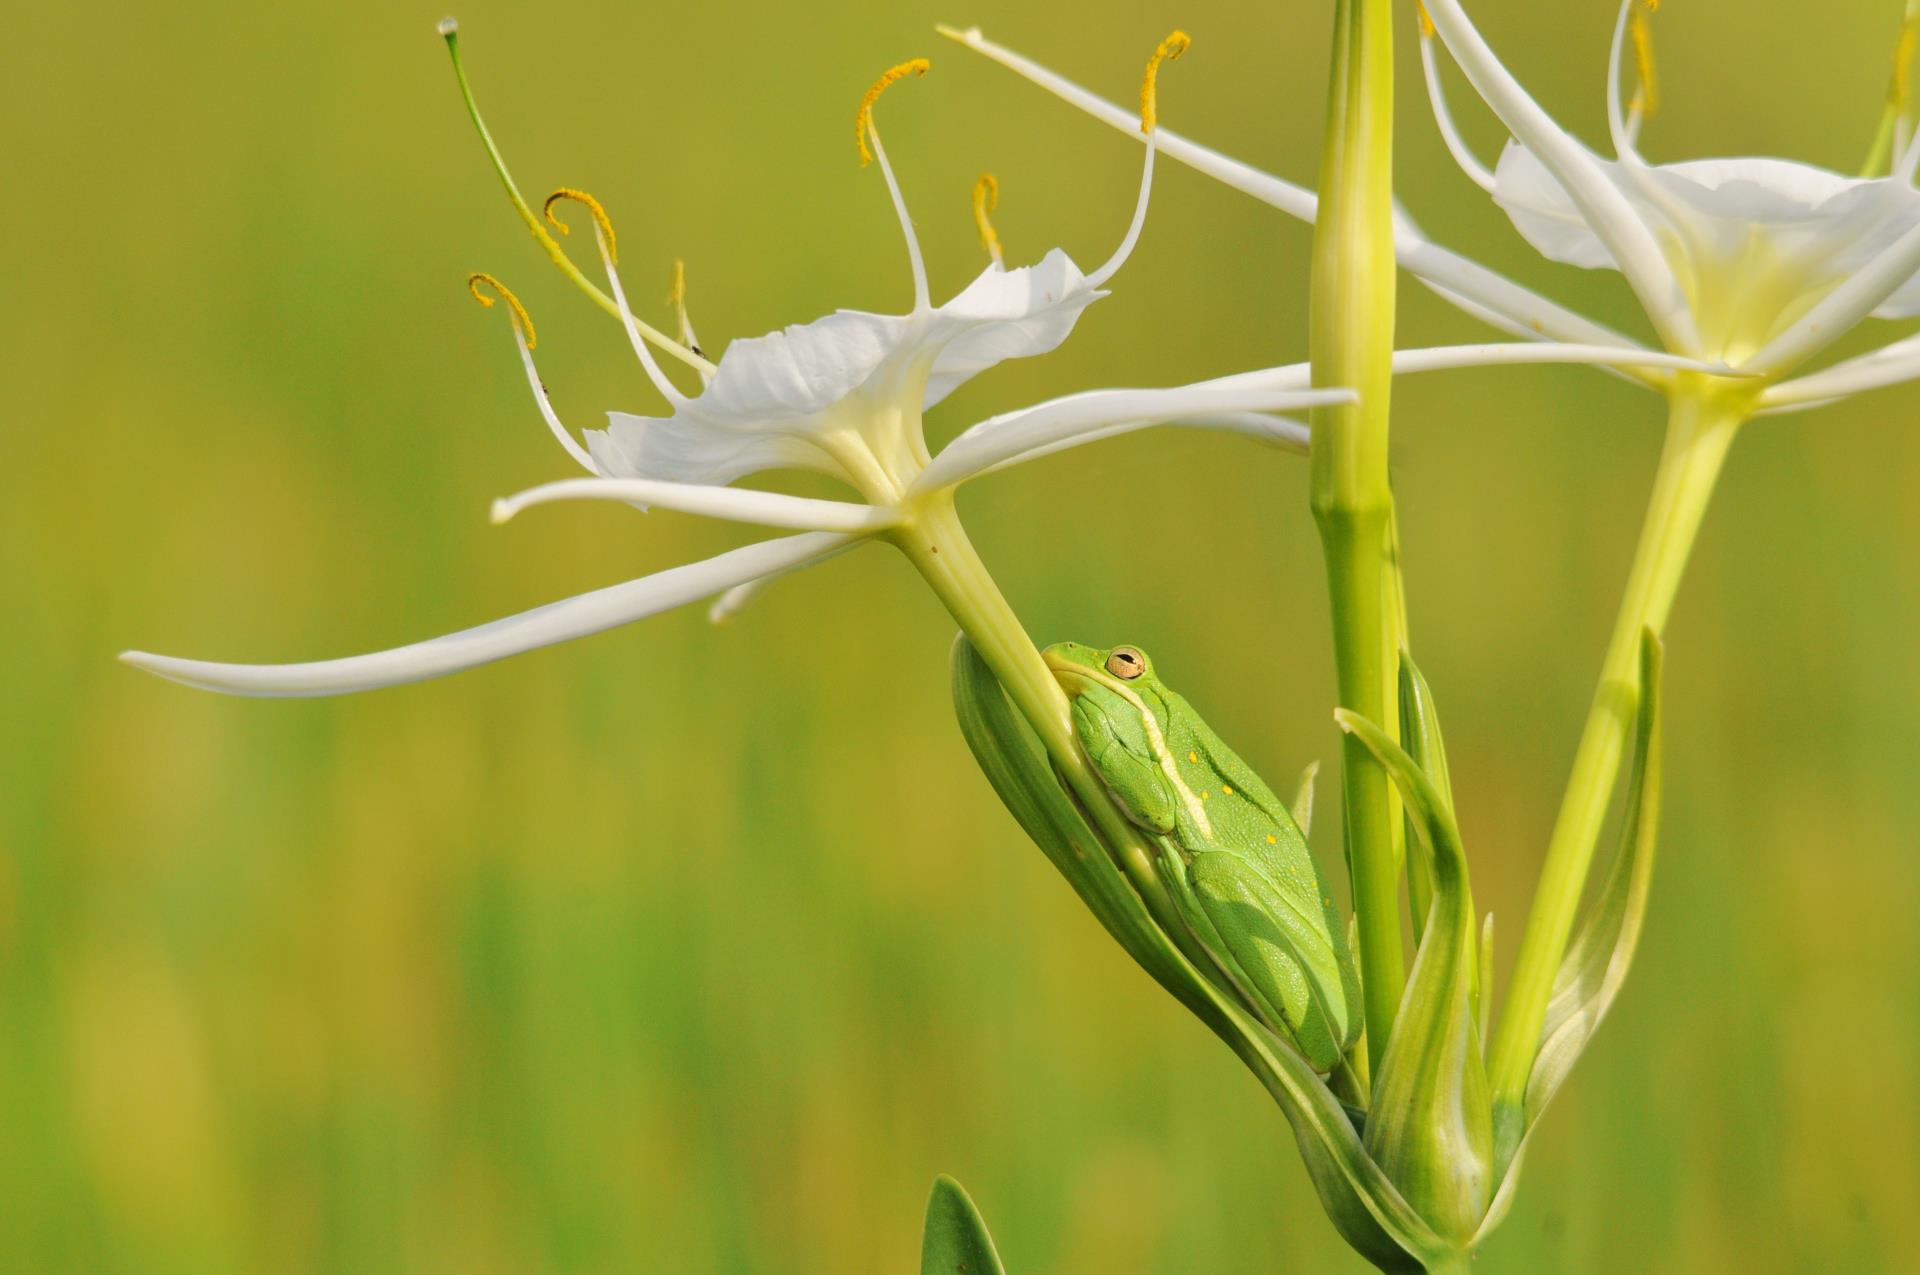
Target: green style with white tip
(1234, 857)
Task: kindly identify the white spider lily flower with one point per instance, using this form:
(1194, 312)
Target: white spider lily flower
(1756, 262)
(843, 395)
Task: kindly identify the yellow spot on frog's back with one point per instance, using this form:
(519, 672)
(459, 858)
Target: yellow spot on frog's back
(1193, 757)
(1272, 840)
(1226, 790)
(1204, 794)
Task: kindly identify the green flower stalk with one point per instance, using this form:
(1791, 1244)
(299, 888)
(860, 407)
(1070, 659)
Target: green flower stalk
(1351, 335)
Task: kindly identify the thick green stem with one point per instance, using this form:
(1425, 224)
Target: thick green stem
(1352, 345)
(1704, 417)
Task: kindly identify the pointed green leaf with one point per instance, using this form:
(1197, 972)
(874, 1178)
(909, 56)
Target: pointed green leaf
(1430, 1121)
(1602, 950)
(956, 1240)
(1597, 961)
(1420, 729)
(1303, 798)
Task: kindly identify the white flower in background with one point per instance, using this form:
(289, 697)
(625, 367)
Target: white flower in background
(1759, 262)
(1754, 263)
(843, 396)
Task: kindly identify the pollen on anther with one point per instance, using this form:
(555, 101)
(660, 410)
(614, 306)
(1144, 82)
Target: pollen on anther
(863, 118)
(1646, 98)
(1426, 23)
(517, 312)
(593, 207)
(986, 197)
(1169, 49)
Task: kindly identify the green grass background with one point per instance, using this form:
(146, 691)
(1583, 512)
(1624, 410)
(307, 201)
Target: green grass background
(691, 950)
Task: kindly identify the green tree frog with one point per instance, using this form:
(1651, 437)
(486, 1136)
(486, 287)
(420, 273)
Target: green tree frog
(1234, 858)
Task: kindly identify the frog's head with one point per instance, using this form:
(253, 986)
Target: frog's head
(1125, 670)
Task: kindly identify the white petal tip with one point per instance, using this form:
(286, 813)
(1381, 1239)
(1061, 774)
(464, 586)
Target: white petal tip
(503, 511)
(447, 25)
(967, 35)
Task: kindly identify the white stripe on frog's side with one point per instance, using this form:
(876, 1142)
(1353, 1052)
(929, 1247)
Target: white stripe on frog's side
(1158, 742)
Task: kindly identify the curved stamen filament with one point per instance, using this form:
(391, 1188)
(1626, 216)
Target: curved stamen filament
(1171, 47)
(677, 298)
(603, 240)
(1469, 163)
(450, 31)
(868, 136)
(986, 198)
(523, 339)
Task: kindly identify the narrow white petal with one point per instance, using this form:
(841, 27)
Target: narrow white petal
(1445, 271)
(1443, 119)
(1586, 182)
(741, 596)
(768, 509)
(1443, 358)
(1275, 431)
(1889, 365)
(1040, 430)
(1840, 310)
(1263, 427)
(1296, 201)
(556, 622)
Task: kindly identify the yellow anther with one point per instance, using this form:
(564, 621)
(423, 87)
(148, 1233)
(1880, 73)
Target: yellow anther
(1903, 53)
(1170, 48)
(1426, 23)
(592, 205)
(863, 118)
(986, 198)
(517, 312)
(1647, 97)
(677, 298)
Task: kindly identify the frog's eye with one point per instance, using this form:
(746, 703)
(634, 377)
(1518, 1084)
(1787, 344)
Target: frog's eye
(1126, 663)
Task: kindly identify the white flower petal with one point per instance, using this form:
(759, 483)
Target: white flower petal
(741, 596)
(1842, 308)
(1004, 314)
(556, 622)
(1041, 429)
(1275, 431)
(1442, 358)
(1889, 365)
(1586, 181)
(1448, 273)
(765, 508)
(681, 450)
(1543, 212)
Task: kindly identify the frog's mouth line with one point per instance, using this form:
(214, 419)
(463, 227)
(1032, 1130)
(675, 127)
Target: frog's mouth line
(1076, 679)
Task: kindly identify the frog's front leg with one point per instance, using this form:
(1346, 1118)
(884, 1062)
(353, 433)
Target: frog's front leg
(1132, 774)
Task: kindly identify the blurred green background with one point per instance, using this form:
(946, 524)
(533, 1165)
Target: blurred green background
(692, 950)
